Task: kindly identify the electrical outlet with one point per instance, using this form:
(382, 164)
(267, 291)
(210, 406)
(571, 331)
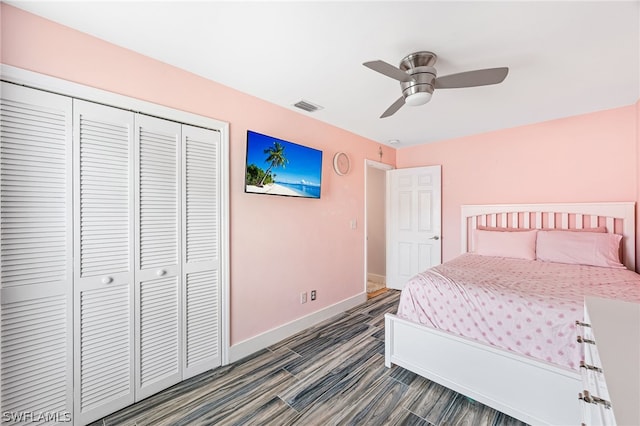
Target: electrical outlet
(303, 297)
(313, 295)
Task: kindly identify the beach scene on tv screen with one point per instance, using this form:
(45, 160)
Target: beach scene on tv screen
(278, 167)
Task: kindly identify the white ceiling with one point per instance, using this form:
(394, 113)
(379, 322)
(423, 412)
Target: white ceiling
(565, 57)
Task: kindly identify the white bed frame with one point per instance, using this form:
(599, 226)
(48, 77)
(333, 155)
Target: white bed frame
(528, 389)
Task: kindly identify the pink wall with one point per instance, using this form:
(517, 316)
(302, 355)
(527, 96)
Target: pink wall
(591, 157)
(279, 246)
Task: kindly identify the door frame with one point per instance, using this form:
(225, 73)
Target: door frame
(381, 166)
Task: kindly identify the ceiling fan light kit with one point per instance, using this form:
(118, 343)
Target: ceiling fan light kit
(418, 98)
(418, 78)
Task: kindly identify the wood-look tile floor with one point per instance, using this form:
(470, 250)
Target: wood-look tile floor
(329, 374)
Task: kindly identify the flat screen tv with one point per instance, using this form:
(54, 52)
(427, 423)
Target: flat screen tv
(277, 167)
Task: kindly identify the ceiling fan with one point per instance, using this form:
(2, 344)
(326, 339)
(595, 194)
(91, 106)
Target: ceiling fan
(417, 78)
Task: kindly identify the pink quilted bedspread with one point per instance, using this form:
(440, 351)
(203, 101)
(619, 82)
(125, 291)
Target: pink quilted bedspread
(528, 307)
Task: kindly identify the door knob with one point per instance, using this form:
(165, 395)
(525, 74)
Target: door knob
(435, 237)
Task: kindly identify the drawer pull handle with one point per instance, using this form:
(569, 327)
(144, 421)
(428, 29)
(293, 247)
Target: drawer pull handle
(586, 397)
(583, 340)
(590, 367)
(583, 324)
(107, 280)
(160, 272)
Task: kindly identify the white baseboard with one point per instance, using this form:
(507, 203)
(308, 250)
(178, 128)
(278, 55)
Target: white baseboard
(377, 278)
(273, 336)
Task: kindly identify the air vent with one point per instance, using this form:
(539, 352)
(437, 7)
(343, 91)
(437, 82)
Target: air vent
(307, 106)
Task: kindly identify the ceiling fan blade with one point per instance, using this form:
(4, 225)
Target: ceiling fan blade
(393, 108)
(472, 78)
(389, 70)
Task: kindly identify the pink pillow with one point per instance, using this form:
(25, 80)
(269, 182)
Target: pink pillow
(601, 229)
(582, 248)
(520, 245)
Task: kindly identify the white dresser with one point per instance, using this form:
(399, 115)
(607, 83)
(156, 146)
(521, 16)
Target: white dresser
(611, 369)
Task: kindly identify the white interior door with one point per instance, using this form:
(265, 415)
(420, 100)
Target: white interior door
(36, 253)
(201, 264)
(104, 268)
(157, 252)
(413, 222)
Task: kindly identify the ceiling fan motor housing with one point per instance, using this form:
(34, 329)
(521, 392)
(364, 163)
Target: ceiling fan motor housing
(420, 66)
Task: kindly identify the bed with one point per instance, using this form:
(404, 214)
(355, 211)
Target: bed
(493, 353)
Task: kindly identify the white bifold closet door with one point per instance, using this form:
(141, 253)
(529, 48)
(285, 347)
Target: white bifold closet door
(147, 289)
(110, 255)
(36, 253)
(177, 247)
(201, 264)
(158, 242)
(104, 260)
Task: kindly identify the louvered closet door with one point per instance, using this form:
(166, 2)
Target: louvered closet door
(158, 295)
(36, 253)
(104, 267)
(201, 249)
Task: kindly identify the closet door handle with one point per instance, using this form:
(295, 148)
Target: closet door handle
(160, 272)
(107, 280)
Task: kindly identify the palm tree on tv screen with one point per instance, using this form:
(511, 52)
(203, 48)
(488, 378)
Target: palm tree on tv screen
(276, 158)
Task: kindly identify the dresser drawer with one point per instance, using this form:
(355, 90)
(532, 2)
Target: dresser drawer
(586, 337)
(594, 399)
(594, 382)
(595, 405)
(596, 415)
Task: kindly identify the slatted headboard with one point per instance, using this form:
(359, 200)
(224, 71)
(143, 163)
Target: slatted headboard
(618, 218)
